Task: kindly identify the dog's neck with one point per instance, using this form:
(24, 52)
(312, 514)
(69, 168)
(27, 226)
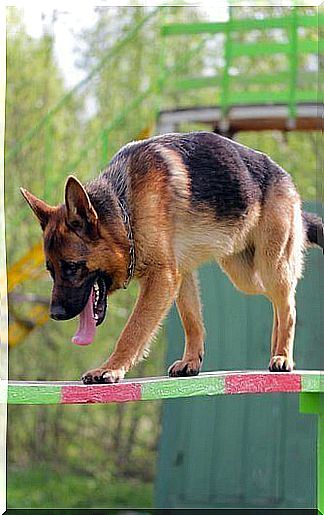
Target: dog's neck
(110, 201)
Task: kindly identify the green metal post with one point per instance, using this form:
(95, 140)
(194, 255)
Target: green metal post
(226, 77)
(162, 70)
(314, 403)
(320, 462)
(293, 57)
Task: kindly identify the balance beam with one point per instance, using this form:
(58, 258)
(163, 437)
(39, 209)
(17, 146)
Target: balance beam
(156, 388)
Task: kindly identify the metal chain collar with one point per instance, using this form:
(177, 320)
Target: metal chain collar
(132, 258)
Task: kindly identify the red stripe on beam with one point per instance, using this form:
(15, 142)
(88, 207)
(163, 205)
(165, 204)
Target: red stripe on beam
(263, 383)
(100, 393)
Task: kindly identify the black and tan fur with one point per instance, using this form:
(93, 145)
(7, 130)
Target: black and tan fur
(190, 198)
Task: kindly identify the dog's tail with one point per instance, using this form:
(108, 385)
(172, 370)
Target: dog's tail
(314, 229)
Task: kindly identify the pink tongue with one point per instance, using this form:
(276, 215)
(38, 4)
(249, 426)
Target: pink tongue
(87, 325)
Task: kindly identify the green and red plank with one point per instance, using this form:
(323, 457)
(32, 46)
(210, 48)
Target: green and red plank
(208, 383)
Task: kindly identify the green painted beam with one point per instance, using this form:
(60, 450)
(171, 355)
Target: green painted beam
(309, 78)
(176, 388)
(259, 97)
(305, 46)
(24, 393)
(262, 78)
(196, 83)
(157, 388)
(280, 22)
(259, 48)
(176, 29)
(269, 97)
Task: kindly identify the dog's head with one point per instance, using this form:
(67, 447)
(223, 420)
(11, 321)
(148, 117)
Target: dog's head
(86, 257)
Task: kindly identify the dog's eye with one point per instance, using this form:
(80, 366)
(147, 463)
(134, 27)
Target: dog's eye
(70, 268)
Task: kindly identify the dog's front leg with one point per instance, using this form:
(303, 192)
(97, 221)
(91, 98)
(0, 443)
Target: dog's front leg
(189, 307)
(157, 292)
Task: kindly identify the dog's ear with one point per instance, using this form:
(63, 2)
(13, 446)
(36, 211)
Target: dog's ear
(42, 210)
(81, 215)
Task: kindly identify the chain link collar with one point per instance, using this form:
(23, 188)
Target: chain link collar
(132, 258)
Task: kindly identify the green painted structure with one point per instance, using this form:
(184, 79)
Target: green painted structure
(293, 84)
(314, 403)
(160, 388)
(245, 451)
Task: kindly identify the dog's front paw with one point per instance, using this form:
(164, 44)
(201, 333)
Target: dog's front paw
(185, 367)
(281, 364)
(103, 375)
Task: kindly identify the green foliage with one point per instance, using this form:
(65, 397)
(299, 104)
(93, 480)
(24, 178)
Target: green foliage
(47, 488)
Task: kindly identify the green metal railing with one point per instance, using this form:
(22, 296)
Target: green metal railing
(296, 83)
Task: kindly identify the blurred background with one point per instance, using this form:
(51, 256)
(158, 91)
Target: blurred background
(80, 84)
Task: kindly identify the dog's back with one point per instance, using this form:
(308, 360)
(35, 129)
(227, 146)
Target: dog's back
(217, 188)
(221, 174)
(224, 175)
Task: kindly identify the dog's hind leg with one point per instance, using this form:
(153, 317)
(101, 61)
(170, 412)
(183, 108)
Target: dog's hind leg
(282, 344)
(274, 336)
(278, 261)
(189, 307)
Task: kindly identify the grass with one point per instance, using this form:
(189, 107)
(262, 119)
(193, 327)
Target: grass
(43, 488)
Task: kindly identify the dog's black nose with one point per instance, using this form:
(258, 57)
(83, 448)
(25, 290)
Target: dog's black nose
(58, 313)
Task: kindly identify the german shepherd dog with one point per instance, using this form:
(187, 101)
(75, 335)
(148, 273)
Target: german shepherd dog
(162, 207)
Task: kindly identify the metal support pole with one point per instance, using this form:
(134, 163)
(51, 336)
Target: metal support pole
(314, 403)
